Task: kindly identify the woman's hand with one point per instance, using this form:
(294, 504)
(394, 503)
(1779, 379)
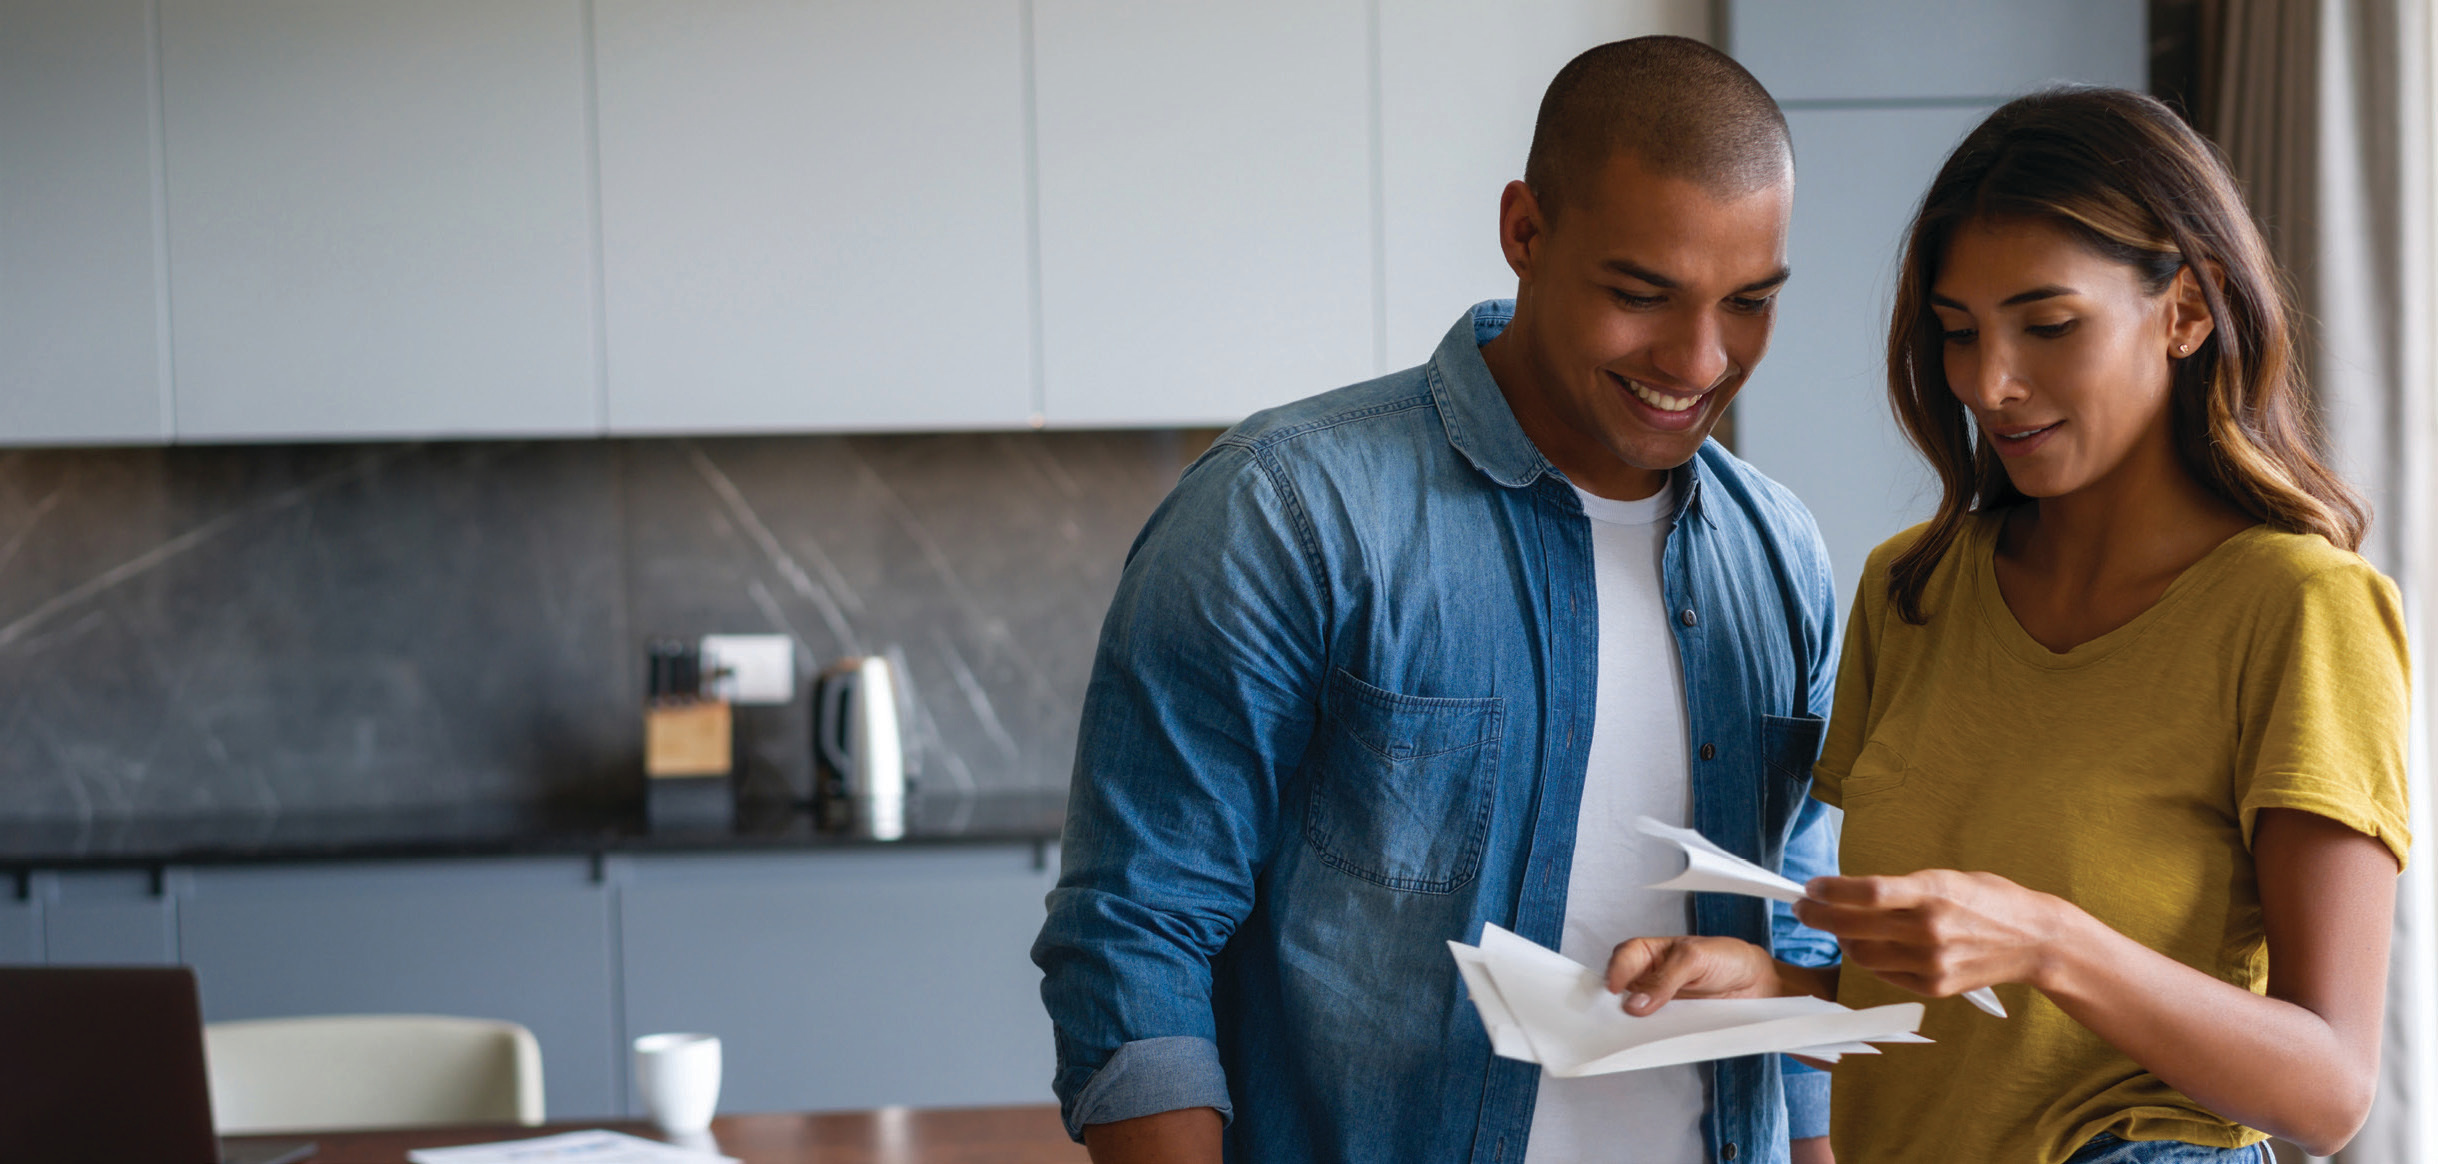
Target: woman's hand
(1937, 932)
(1652, 971)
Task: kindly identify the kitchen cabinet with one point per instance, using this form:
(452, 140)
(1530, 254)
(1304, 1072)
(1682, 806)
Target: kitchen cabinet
(855, 978)
(814, 216)
(1206, 207)
(80, 310)
(845, 980)
(380, 218)
(1458, 95)
(1914, 50)
(21, 932)
(106, 918)
(525, 940)
(238, 220)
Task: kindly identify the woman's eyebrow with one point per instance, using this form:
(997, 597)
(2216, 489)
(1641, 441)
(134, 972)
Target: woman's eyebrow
(2046, 291)
(2036, 294)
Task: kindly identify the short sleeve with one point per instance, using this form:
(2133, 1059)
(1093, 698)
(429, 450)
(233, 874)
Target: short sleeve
(2324, 703)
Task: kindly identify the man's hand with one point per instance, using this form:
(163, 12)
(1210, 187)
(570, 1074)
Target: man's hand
(1185, 1136)
(1652, 971)
(1812, 1150)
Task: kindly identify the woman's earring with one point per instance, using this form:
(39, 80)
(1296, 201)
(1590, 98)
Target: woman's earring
(2183, 348)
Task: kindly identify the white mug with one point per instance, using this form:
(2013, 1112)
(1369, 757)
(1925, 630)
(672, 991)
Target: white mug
(679, 1078)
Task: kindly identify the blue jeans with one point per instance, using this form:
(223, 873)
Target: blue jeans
(2107, 1149)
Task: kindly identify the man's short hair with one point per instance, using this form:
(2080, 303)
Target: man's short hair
(1683, 109)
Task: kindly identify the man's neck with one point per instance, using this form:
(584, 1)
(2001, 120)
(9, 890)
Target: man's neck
(1581, 457)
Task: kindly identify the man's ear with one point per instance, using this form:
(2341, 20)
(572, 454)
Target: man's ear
(2189, 321)
(1521, 227)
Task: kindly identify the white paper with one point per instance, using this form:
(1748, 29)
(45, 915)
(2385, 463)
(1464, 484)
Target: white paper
(571, 1147)
(1539, 1006)
(1506, 1038)
(1711, 869)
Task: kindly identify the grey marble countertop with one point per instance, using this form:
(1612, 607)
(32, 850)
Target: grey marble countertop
(1033, 818)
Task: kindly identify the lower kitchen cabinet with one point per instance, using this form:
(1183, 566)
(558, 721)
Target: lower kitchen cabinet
(845, 980)
(114, 917)
(20, 932)
(834, 980)
(529, 940)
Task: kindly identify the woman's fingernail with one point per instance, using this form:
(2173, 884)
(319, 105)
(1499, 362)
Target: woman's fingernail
(1637, 1001)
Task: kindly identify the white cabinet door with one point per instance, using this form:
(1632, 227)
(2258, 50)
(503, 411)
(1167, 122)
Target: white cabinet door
(1206, 207)
(1458, 94)
(814, 214)
(380, 218)
(80, 341)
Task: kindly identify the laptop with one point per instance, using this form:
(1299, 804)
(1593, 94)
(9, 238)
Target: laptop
(105, 1065)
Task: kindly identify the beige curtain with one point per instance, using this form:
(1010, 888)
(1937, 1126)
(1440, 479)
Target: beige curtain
(2325, 109)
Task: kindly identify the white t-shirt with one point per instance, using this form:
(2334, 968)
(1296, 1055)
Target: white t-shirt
(1637, 768)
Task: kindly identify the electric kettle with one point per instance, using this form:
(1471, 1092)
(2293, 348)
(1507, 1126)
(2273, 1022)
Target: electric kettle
(855, 734)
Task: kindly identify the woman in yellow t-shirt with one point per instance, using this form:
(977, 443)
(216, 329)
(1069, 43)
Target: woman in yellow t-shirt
(2121, 730)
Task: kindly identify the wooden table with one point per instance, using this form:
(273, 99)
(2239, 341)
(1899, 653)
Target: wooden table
(889, 1135)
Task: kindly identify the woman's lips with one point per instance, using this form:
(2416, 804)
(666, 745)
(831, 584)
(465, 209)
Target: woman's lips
(2021, 440)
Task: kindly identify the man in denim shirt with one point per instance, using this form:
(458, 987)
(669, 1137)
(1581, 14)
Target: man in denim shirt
(1350, 698)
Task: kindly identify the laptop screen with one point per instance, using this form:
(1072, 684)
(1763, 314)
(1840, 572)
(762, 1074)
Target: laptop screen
(103, 1064)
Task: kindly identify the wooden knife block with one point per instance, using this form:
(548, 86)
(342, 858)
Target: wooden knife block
(688, 738)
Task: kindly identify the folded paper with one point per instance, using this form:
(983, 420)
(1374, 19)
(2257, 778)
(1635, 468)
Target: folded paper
(1539, 1006)
(1711, 869)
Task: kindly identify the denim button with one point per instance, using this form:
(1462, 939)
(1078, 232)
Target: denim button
(1727, 1152)
(1709, 751)
(1687, 617)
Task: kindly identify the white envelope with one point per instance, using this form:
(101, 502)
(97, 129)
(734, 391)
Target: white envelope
(1711, 869)
(1539, 1006)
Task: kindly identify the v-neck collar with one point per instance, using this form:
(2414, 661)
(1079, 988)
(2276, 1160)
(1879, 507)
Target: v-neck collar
(1981, 560)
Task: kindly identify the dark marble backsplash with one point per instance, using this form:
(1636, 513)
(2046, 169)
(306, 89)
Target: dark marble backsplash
(337, 628)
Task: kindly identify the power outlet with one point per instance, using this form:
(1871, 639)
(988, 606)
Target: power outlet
(750, 669)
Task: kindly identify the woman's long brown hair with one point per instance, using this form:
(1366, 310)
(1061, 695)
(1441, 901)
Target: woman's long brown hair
(2123, 174)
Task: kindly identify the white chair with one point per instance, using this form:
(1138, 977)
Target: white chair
(350, 1072)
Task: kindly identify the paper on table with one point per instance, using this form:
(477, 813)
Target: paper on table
(573, 1148)
(1711, 869)
(1539, 1006)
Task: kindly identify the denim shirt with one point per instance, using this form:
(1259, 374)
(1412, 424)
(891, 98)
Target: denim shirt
(1340, 714)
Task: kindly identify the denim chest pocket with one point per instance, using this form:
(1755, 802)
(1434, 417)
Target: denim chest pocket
(1402, 785)
(1790, 744)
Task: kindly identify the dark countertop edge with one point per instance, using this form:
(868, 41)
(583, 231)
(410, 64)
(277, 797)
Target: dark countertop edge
(411, 850)
(1035, 821)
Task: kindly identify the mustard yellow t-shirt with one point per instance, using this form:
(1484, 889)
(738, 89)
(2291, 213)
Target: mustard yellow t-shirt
(2124, 776)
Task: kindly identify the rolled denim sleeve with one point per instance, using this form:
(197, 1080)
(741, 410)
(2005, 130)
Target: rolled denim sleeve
(1810, 852)
(1807, 1101)
(1200, 706)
